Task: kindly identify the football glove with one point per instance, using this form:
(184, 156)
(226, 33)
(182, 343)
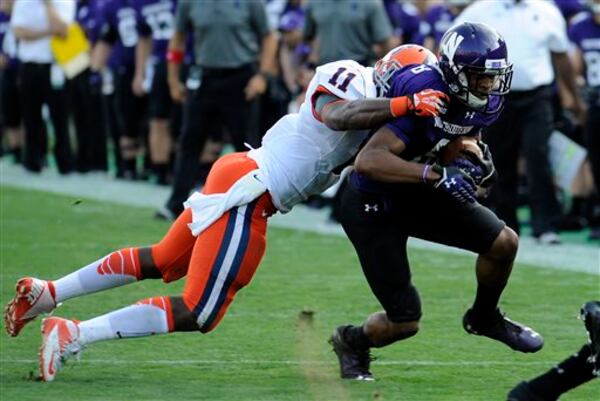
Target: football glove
(455, 182)
(428, 103)
(482, 169)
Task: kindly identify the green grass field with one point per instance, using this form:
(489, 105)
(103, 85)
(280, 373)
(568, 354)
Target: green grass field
(262, 350)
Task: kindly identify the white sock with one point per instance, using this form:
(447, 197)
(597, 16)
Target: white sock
(114, 270)
(143, 319)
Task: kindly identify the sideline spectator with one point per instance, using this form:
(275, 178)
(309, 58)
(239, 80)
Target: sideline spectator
(33, 23)
(119, 35)
(156, 29)
(535, 33)
(440, 18)
(408, 25)
(585, 33)
(230, 39)
(347, 30)
(9, 96)
(84, 104)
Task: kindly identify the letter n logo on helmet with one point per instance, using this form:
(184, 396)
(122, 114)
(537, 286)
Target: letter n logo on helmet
(451, 44)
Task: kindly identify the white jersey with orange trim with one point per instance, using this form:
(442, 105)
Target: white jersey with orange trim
(299, 153)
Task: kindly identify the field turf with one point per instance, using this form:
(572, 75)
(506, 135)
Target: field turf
(263, 350)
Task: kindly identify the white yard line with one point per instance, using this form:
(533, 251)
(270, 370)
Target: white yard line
(571, 257)
(184, 362)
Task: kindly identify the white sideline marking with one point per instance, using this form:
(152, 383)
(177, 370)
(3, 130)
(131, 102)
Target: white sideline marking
(183, 362)
(571, 257)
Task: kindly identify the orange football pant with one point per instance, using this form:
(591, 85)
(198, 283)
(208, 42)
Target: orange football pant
(224, 257)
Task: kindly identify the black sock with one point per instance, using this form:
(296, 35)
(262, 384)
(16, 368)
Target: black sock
(486, 301)
(570, 373)
(578, 204)
(129, 165)
(160, 170)
(356, 337)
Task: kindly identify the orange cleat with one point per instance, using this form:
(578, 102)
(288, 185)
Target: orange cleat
(60, 341)
(33, 297)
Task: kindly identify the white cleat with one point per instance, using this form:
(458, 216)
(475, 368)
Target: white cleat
(33, 297)
(60, 341)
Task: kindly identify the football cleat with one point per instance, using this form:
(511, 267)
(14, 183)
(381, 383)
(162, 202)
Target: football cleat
(60, 341)
(354, 363)
(498, 327)
(590, 314)
(522, 392)
(33, 297)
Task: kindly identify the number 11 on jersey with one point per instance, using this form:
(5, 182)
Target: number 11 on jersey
(344, 85)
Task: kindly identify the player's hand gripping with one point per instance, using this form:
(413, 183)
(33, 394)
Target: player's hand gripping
(428, 103)
(455, 182)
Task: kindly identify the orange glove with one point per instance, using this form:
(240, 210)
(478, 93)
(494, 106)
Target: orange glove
(427, 103)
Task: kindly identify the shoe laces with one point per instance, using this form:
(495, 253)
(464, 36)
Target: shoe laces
(501, 320)
(34, 293)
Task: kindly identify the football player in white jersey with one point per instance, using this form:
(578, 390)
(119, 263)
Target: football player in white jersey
(219, 240)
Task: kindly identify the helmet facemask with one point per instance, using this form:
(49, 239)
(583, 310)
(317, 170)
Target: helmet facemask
(383, 73)
(474, 86)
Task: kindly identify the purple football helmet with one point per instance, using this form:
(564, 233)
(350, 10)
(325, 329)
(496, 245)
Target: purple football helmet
(474, 61)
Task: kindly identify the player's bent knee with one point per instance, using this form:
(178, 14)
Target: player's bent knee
(505, 246)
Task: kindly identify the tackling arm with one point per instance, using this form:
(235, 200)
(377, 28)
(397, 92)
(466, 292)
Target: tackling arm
(341, 115)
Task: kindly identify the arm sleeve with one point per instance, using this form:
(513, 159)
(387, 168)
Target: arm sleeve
(141, 25)
(108, 31)
(381, 27)
(557, 39)
(259, 18)
(402, 127)
(182, 16)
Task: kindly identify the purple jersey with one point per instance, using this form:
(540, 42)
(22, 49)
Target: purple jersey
(569, 8)
(7, 49)
(407, 22)
(585, 33)
(89, 17)
(439, 18)
(157, 19)
(421, 135)
(119, 27)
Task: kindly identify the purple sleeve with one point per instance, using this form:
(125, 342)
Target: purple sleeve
(141, 24)
(402, 127)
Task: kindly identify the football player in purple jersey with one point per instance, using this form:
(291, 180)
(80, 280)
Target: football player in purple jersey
(585, 33)
(406, 21)
(116, 47)
(156, 28)
(392, 195)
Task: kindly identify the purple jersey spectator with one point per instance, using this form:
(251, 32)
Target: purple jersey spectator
(157, 19)
(440, 18)
(420, 135)
(89, 17)
(407, 22)
(569, 8)
(585, 33)
(119, 27)
(8, 50)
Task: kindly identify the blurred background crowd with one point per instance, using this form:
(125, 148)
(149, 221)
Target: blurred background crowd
(121, 104)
